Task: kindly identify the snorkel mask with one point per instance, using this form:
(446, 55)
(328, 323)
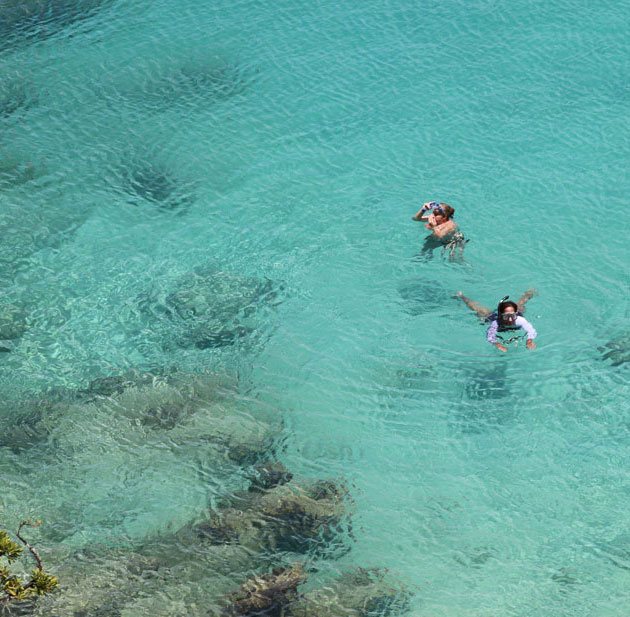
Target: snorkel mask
(509, 318)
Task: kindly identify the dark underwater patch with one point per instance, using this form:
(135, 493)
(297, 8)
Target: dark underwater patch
(25, 21)
(486, 383)
(14, 173)
(192, 83)
(617, 350)
(211, 308)
(421, 296)
(15, 96)
(153, 183)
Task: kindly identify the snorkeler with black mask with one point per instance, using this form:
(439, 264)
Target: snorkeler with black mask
(506, 319)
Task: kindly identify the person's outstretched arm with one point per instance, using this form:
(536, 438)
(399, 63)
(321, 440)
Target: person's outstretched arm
(491, 336)
(529, 330)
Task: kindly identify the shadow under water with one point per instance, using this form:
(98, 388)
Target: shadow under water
(486, 383)
(422, 295)
(486, 402)
(29, 20)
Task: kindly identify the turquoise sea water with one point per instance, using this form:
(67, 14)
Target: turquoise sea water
(287, 145)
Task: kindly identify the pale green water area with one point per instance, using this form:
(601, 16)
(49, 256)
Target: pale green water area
(214, 200)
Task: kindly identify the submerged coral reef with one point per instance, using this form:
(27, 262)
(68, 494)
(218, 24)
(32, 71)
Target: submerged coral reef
(211, 308)
(263, 520)
(357, 593)
(617, 350)
(13, 324)
(287, 517)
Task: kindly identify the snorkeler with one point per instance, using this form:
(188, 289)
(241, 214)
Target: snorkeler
(507, 318)
(438, 218)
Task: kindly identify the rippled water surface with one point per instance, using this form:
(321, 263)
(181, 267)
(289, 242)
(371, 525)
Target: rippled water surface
(209, 204)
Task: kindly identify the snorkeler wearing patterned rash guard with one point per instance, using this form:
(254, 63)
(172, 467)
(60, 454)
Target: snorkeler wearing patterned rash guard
(506, 318)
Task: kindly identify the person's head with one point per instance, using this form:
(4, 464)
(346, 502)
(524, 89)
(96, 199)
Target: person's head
(443, 213)
(507, 311)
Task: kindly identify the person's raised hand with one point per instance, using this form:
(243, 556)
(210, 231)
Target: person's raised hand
(530, 344)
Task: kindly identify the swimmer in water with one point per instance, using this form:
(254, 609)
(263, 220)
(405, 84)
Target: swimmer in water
(508, 317)
(438, 219)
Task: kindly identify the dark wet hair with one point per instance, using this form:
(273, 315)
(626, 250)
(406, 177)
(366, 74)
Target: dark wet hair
(504, 304)
(447, 210)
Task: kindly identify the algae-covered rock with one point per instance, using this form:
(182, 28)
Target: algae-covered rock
(287, 517)
(13, 324)
(359, 593)
(212, 308)
(267, 594)
(617, 350)
(27, 424)
(269, 475)
(116, 384)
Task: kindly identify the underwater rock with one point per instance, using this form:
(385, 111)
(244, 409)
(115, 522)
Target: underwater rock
(268, 594)
(15, 96)
(287, 517)
(29, 223)
(269, 475)
(617, 350)
(14, 173)
(422, 296)
(616, 552)
(165, 416)
(565, 578)
(151, 182)
(212, 308)
(199, 406)
(25, 20)
(13, 324)
(116, 384)
(358, 593)
(198, 410)
(27, 424)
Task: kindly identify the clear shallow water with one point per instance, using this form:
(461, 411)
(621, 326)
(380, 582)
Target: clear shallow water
(292, 143)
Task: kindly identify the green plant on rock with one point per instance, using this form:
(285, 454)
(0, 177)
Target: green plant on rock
(12, 586)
